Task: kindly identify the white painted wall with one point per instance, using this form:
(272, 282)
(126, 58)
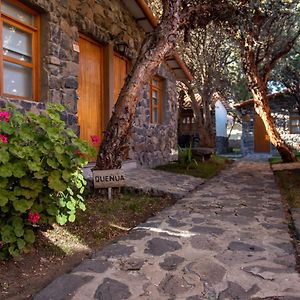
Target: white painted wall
(221, 119)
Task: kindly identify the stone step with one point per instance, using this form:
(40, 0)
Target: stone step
(130, 165)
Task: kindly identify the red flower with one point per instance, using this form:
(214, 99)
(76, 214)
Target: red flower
(33, 217)
(78, 152)
(4, 138)
(4, 116)
(95, 139)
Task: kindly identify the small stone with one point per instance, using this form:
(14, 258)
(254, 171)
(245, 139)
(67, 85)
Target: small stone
(239, 246)
(53, 60)
(116, 250)
(159, 246)
(112, 289)
(171, 263)
(174, 285)
(235, 291)
(132, 264)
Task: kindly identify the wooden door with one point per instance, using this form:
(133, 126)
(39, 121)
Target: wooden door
(120, 73)
(261, 138)
(90, 90)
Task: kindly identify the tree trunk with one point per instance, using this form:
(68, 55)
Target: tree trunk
(203, 119)
(258, 85)
(262, 108)
(155, 48)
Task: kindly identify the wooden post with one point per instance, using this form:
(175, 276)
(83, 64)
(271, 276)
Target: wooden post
(109, 190)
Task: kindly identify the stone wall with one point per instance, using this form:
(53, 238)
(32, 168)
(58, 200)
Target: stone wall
(152, 144)
(221, 145)
(107, 22)
(280, 109)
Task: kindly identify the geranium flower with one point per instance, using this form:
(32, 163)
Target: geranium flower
(4, 138)
(33, 217)
(4, 116)
(78, 152)
(95, 139)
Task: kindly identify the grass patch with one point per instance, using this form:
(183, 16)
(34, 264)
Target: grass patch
(104, 218)
(289, 184)
(206, 169)
(278, 160)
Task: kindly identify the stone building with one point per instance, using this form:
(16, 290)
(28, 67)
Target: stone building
(78, 53)
(286, 115)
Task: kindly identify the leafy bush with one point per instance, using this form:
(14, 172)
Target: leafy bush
(41, 179)
(185, 156)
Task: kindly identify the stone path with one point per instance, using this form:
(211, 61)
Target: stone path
(290, 166)
(155, 182)
(226, 240)
(160, 182)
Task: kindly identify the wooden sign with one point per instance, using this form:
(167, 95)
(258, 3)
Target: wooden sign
(108, 178)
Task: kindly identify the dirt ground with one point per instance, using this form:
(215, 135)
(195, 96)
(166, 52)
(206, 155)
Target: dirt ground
(59, 249)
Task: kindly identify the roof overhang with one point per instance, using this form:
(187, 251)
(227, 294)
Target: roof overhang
(144, 17)
(269, 97)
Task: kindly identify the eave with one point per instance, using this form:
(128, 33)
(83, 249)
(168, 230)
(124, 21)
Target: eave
(144, 17)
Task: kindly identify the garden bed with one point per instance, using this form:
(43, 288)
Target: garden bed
(59, 249)
(289, 184)
(198, 168)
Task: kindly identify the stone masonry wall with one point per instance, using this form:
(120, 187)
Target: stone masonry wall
(280, 109)
(105, 21)
(151, 144)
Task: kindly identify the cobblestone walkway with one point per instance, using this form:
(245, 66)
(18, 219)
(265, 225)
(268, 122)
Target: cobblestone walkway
(226, 240)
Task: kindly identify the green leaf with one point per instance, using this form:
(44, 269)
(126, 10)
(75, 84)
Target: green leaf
(71, 133)
(33, 166)
(3, 183)
(61, 219)
(4, 155)
(52, 163)
(18, 226)
(21, 244)
(55, 181)
(41, 174)
(6, 170)
(13, 251)
(52, 210)
(17, 151)
(18, 170)
(26, 133)
(70, 205)
(22, 205)
(70, 191)
(29, 236)
(82, 206)
(7, 234)
(7, 128)
(59, 149)
(3, 198)
(72, 218)
(19, 231)
(63, 160)
(66, 175)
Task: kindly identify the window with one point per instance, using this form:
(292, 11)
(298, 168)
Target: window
(156, 100)
(295, 124)
(20, 57)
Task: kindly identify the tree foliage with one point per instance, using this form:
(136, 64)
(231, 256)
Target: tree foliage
(265, 31)
(286, 75)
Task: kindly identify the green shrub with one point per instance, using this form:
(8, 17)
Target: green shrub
(41, 179)
(185, 156)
